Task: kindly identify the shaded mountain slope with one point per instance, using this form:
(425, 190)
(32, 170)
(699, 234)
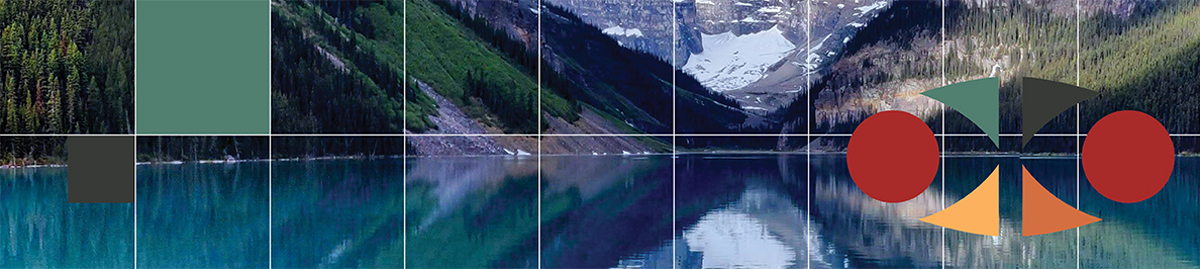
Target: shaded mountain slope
(1144, 59)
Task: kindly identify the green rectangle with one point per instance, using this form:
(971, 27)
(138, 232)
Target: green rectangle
(203, 67)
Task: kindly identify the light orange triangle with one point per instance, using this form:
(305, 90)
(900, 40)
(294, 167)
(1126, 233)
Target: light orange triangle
(1043, 213)
(978, 213)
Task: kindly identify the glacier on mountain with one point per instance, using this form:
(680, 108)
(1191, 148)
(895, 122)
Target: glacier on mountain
(731, 62)
(620, 31)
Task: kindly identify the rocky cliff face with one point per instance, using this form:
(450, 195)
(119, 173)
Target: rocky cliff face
(755, 51)
(833, 23)
(636, 24)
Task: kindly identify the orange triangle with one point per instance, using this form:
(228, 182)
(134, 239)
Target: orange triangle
(978, 213)
(1042, 213)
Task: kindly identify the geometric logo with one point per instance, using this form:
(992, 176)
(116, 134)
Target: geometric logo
(893, 156)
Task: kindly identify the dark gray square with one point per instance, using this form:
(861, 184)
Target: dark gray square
(100, 169)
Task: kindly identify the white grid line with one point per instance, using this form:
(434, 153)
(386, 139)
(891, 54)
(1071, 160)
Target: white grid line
(270, 204)
(674, 125)
(808, 139)
(404, 139)
(942, 156)
(1078, 115)
(270, 146)
(545, 135)
(539, 137)
(134, 131)
(532, 135)
(559, 135)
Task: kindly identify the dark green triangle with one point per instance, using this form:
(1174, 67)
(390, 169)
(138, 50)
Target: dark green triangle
(978, 99)
(1042, 100)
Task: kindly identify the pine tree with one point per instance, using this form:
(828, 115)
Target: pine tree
(11, 125)
(10, 42)
(95, 115)
(72, 86)
(31, 125)
(54, 123)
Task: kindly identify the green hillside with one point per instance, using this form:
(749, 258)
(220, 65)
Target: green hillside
(1146, 59)
(327, 78)
(463, 67)
(1151, 65)
(358, 47)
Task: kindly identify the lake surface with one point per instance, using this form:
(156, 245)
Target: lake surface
(197, 215)
(38, 228)
(730, 211)
(723, 211)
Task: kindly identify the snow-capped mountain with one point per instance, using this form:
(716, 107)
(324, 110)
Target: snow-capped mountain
(730, 62)
(636, 24)
(834, 22)
(754, 51)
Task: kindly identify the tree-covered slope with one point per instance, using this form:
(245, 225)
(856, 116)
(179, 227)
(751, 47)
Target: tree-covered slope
(1147, 59)
(66, 67)
(339, 69)
(339, 65)
(328, 78)
(479, 66)
(649, 92)
(1150, 64)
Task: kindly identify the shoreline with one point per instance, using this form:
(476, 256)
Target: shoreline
(642, 154)
(9, 166)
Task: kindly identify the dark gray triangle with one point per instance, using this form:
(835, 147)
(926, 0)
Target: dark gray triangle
(1042, 100)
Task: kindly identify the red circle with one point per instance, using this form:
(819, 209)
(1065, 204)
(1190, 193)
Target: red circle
(892, 156)
(1128, 156)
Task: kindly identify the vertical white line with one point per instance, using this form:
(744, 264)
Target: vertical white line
(674, 131)
(808, 138)
(942, 156)
(539, 130)
(135, 205)
(134, 132)
(270, 149)
(135, 102)
(270, 202)
(1078, 115)
(404, 136)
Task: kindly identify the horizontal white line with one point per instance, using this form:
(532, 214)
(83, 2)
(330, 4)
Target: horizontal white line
(68, 135)
(533, 135)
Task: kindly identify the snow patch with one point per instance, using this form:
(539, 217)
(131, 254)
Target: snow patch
(872, 7)
(814, 59)
(620, 31)
(730, 62)
(771, 9)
